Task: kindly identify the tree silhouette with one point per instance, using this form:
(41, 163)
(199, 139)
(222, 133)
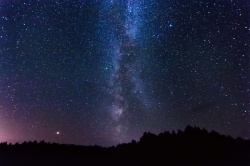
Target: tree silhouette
(193, 146)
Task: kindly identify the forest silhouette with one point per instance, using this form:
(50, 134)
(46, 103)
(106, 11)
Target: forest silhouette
(193, 146)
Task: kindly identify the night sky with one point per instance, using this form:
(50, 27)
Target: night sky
(105, 71)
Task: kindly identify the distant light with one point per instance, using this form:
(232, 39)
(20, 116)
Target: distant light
(170, 25)
(57, 132)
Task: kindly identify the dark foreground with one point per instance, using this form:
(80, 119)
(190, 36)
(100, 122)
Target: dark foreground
(191, 147)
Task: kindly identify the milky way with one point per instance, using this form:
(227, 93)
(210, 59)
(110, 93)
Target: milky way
(105, 71)
(125, 82)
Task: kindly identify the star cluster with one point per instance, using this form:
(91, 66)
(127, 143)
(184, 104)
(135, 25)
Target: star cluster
(105, 71)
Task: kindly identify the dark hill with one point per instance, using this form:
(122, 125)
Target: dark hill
(194, 146)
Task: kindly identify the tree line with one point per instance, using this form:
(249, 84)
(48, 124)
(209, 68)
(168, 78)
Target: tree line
(193, 146)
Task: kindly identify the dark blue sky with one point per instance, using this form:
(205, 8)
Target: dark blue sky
(105, 71)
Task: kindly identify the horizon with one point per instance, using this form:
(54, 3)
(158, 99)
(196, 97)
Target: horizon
(173, 132)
